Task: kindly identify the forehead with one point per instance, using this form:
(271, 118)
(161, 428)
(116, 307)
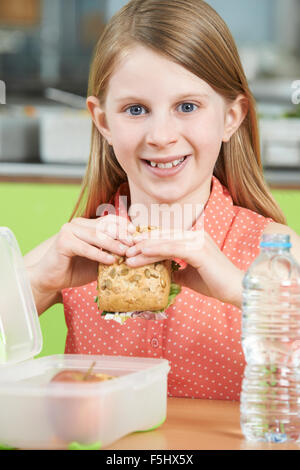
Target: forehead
(141, 70)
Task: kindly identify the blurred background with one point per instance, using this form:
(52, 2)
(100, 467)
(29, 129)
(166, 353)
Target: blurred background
(45, 51)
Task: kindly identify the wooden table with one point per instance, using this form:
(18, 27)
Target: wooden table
(194, 424)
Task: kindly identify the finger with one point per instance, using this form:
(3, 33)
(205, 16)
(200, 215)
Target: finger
(119, 220)
(113, 218)
(153, 246)
(159, 249)
(101, 240)
(138, 247)
(142, 260)
(183, 250)
(107, 223)
(133, 250)
(175, 234)
(117, 228)
(73, 246)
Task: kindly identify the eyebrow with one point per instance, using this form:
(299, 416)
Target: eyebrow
(176, 98)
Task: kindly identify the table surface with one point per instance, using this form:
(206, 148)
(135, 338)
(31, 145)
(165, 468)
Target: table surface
(194, 424)
(64, 173)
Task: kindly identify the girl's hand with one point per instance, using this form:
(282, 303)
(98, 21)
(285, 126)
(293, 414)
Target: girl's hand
(209, 271)
(72, 259)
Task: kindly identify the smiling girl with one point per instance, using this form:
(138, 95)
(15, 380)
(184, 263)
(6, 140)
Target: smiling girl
(174, 122)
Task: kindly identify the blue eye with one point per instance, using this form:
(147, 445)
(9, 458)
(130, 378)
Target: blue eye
(138, 110)
(188, 107)
(135, 110)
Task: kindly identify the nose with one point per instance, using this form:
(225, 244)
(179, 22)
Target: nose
(162, 131)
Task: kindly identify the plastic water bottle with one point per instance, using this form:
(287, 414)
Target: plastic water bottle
(270, 397)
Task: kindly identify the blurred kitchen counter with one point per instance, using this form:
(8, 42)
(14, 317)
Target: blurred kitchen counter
(73, 174)
(283, 179)
(41, 172)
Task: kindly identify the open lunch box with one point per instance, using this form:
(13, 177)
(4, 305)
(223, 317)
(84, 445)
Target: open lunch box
(38, 413)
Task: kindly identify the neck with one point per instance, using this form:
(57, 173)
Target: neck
(168, 214)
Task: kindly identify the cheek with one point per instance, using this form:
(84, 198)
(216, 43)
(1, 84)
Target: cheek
(207, 134)
(123, 142)
(124, 137)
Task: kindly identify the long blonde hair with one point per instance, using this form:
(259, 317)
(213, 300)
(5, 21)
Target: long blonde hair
(192, 34)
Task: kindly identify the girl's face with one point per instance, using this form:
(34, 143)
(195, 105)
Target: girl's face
(157, 111)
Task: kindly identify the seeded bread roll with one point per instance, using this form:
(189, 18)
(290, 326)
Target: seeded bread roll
(122, 288)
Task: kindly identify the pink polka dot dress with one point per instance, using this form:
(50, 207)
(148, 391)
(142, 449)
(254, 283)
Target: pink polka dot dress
(201, 337)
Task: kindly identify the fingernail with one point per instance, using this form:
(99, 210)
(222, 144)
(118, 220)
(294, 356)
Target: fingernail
(131, 228)
(123, 248)
(131, 261)
(131, 251)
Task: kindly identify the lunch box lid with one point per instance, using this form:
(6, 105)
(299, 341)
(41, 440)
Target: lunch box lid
(20, 331)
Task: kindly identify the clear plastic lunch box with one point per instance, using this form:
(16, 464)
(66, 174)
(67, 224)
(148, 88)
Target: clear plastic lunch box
(36, 413)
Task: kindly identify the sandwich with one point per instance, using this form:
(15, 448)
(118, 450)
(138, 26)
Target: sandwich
(127, 291)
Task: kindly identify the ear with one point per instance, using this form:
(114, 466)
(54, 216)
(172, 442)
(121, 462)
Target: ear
(99, 117)
(234, 116)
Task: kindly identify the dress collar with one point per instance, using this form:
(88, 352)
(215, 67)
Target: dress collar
(216, 217)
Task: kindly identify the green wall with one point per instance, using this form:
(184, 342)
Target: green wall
(35, 211)
(289, 201)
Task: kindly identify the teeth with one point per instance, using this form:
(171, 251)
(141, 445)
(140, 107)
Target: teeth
(167, 165)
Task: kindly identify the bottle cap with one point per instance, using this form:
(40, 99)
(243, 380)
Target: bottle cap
(275, 240)
(275, 245)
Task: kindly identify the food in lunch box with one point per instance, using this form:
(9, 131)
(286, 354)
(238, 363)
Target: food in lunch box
(76, 414)
(69, 375)
(122, 288)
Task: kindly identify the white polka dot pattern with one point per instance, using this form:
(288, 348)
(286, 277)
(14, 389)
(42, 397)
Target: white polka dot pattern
(201, 337)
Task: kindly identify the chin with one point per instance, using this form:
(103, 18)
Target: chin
(170, 194)
(168, 200)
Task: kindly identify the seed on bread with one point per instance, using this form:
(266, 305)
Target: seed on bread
(122, 288)
(124, 271)
(155, 275)
(159, 267)
(108, 283)
(135, 277)
(112, 273)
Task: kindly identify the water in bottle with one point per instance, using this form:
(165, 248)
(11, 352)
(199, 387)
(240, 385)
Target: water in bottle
(270, 397)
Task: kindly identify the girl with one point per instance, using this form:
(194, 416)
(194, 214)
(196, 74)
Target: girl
(166, 86)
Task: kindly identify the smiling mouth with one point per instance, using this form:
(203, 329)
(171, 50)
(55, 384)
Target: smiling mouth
(168, 169)
(172, 164)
